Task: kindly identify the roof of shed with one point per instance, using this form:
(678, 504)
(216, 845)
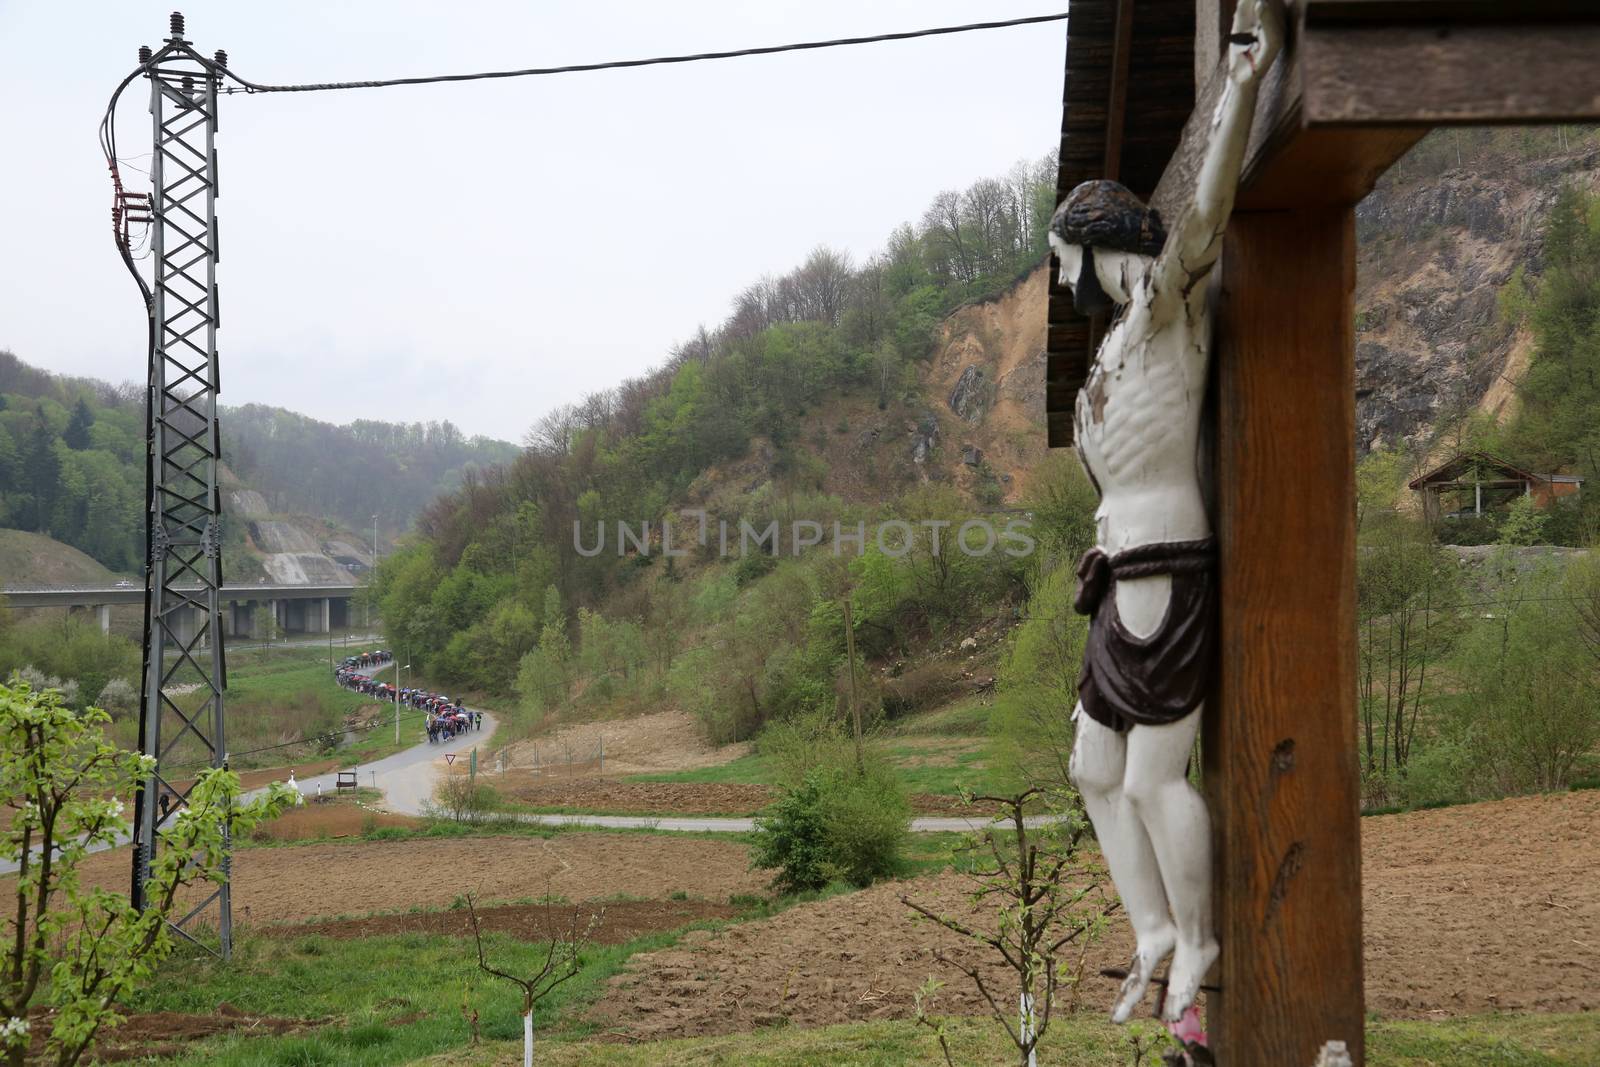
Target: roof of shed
(1465, 461)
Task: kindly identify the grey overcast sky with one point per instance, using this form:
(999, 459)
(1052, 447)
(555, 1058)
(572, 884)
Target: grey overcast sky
(485, 251)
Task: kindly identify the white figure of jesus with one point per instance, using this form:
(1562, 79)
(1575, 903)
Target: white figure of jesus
(1148, 585)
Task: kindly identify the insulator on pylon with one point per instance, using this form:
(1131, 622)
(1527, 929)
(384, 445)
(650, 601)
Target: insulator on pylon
(145, 55)
(176, 22)
(221, 57)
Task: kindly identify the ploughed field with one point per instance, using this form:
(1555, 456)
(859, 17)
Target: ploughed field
(1482, 908)
(1485, 907)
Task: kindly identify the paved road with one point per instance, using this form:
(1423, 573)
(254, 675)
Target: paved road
(726, 825)
(407, 777)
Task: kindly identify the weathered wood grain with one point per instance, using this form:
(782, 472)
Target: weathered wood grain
(1280, 757)
(1287, 165)
(1434, 74)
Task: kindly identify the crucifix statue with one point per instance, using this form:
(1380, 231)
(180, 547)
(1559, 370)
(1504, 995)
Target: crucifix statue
(1148, 585)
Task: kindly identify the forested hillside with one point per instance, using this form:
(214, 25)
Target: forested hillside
(72, 462)
(72, 466)
(392, 470)
(907, 389)
(737, 420)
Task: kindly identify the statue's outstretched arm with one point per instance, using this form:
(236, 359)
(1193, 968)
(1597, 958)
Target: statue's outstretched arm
(1192, 249)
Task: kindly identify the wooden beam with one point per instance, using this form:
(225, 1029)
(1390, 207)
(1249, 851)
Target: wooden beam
(1450, 12)
(1281, 769)
(1287, 164)
(1442, 73)
(1117, 105)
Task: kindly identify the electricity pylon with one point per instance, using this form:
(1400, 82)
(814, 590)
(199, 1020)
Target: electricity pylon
(181, 722)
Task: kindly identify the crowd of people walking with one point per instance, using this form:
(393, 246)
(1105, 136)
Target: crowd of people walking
(445, 718)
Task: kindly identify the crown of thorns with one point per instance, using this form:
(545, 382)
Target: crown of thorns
(1106, 214)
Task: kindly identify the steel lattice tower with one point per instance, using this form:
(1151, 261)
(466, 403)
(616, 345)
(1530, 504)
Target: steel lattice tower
(182, 728)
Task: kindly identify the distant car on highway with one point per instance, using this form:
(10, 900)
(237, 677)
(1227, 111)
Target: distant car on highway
(124, 584)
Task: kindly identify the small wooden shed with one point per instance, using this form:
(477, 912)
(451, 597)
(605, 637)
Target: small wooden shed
(1475, 482)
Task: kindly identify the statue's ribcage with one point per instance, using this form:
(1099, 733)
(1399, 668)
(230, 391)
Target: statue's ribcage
(1142, 417)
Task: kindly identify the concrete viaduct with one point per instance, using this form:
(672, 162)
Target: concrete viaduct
(309, 609)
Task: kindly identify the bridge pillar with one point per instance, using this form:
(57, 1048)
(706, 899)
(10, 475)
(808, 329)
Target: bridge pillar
(323, 612)
(184, 625)
(104, 611)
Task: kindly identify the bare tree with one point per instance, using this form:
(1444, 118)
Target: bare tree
(942, 229)
(562, 961)
(822, 286)
(552, 434)
(1045, 899)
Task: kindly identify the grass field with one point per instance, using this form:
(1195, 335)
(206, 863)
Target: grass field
(929, 761)
(277, 697)
(1082, 1041)
(377, 1010)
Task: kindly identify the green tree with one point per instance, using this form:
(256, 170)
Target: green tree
(1529, 687)
(76, 950)
(76, 434)
(1406, 589)
(41, 476)
(1524, 523)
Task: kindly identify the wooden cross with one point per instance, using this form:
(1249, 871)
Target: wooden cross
(1359, 82)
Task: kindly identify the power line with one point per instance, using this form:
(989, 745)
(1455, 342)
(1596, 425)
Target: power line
(246, 86)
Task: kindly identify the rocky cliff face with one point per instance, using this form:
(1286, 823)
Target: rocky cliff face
(1436, 246)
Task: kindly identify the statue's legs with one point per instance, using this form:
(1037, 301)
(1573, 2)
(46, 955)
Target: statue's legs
(1178, 827)
(1099, 766)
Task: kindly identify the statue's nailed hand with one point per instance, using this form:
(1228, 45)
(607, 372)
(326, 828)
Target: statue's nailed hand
(1255, 39)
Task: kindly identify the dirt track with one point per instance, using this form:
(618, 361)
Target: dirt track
(1472, 909)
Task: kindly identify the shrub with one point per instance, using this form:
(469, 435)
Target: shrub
(841, 823)
(462, 798)
(119, 698)
(799, 745)
(754, 566)
(793, 838)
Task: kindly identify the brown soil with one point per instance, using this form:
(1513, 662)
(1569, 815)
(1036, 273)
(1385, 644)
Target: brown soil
(1478, 908)
(622, 920)
(165, 1033)
(646, 744)
(302, 882)
(334, 819)
(614, 797)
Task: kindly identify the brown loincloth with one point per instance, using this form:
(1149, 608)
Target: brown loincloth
(1155, 680)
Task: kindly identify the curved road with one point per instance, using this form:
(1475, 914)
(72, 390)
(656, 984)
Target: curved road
(407, 779)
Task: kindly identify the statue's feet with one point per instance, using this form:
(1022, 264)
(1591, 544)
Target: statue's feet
(1146, 958)
(1189, 966)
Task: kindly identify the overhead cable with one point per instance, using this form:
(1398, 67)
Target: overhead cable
(247, 86)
